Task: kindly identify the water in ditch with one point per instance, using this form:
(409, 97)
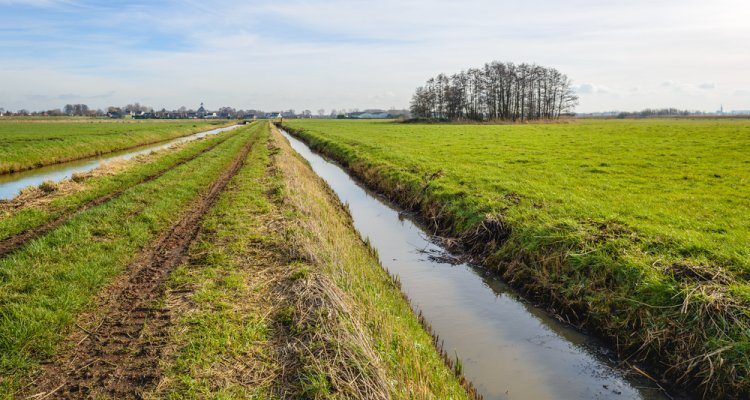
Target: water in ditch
(12, 184)
(509, 348)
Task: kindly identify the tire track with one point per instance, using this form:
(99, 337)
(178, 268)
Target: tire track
(10, 244)
(119, 358)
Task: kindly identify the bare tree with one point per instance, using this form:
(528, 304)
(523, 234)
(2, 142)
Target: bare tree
(503, 91)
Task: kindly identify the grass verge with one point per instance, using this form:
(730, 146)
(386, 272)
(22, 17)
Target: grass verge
(36, 207)
(669, 298)
(25, 145)
(45, 284)
(282, 299)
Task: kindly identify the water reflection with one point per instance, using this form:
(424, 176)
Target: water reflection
(509, 349)
(12, 184)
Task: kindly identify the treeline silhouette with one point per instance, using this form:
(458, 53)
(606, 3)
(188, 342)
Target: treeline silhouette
(498, 91)
(661, 112)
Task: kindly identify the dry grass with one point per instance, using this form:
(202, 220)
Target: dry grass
(39, 197)
(282, 299)
(324, 235)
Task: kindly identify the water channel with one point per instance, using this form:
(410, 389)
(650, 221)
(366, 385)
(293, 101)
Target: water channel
(509, 348)
(12, 184)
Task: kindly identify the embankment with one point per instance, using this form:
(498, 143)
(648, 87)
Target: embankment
(280, 298)
(689, 326)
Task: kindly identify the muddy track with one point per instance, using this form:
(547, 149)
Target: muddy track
(118, 355)
(9, 245)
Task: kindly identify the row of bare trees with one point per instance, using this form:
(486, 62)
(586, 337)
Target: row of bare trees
(498, 91)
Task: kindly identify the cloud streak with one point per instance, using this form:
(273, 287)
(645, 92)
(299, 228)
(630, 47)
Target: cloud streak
(335, 53)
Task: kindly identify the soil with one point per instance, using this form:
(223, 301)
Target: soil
(117, 354)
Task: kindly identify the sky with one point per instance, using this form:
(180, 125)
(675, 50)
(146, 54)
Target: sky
(294, 54)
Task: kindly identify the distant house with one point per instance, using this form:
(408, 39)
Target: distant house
(367, 114)
(374, 115)
(144, 115)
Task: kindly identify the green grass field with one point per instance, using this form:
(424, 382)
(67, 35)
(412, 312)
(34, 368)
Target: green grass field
(248, 300)
(47, 282)
(638, 227)
(17, 218)
(35, 143)
(270, 303)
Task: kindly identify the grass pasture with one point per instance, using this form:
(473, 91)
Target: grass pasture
(35, 208)
(27, 144)
(44, 284)
(268, 302)
(275, 304)
(637, 228)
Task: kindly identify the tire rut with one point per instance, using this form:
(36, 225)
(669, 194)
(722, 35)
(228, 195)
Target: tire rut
(11, 244)
(119, 356)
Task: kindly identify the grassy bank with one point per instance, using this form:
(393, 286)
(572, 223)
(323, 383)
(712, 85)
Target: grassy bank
(26, 145)
(35, 207)
(282, 299)
(45, 284)
(636, 229)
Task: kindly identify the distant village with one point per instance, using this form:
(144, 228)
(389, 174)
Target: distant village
(138, 111)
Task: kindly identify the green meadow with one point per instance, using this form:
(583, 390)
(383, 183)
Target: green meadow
(47, 282)
(31, 144)
(275, 298)
(639, 229)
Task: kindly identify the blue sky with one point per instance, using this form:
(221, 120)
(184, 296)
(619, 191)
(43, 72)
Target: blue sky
(346, 54)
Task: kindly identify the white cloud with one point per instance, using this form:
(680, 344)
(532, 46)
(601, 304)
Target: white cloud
(336, 53)
(590, 88)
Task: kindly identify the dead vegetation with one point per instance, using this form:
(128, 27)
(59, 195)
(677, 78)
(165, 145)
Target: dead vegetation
(327, 347)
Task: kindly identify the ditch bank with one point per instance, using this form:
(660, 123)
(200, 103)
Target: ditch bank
(506, 347)
(12, 183)
(693, 338)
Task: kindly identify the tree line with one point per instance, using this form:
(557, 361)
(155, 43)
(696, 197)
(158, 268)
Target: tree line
(135, 109)
(497, 91)
(660, 112)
